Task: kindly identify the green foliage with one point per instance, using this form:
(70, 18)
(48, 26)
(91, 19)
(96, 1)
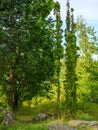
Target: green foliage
(3, 98)
(93, 71)
(58, 52)
(27, 112)
(49, 107)
(87, 65)
(87, 110)
(26, 61)
(31, 60)
(91, 109)
(70, 61)
(83, 116)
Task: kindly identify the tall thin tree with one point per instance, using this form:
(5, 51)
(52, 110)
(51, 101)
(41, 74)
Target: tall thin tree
(58, 50)
(70, 61)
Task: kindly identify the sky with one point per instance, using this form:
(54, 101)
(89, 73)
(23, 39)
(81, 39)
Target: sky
(87, 8)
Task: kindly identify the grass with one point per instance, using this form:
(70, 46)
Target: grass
(25, 115)
(17, 125)
(28, 126)
(38, 126)
(87, 111)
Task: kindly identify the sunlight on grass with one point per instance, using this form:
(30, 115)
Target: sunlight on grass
(28, 126)
(25, 115)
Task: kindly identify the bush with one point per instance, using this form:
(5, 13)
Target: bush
(83, 116)
(88, 110)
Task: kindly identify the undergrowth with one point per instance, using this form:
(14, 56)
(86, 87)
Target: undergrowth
(24, 116)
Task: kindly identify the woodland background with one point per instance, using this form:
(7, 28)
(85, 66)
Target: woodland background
(44, 67)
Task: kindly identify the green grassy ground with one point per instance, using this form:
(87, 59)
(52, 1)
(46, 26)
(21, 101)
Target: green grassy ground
(25, 115)
(31, 126)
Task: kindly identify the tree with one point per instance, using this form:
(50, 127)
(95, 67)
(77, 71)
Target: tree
(93, 82)
(70, 61)
(11, 55)
(25, 35)
(87, 65)
(58, 50)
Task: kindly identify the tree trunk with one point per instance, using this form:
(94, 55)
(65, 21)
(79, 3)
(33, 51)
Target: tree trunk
(58, 98)
(13, 97)
(15, 101)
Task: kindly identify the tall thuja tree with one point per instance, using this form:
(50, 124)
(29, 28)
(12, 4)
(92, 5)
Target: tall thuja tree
(58, 50)
(24, 34)
(70, 61)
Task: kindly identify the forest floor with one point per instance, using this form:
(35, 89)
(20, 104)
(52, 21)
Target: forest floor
(25, 115)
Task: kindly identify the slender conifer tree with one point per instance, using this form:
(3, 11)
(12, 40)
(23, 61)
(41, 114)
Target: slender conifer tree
(58, 53)
(70, 61)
